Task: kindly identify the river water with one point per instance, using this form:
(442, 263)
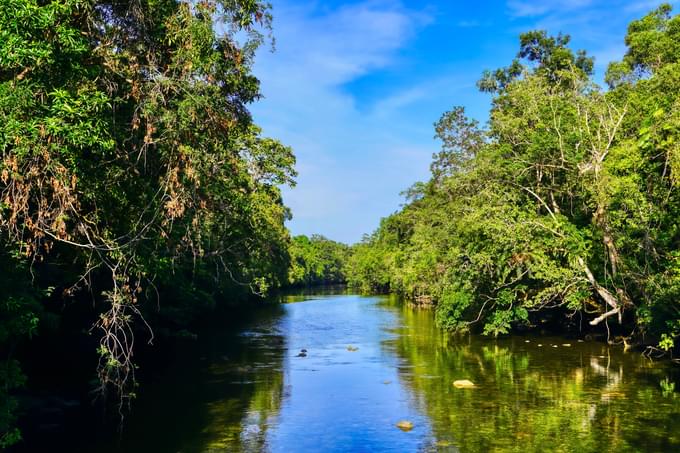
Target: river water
(372, 362)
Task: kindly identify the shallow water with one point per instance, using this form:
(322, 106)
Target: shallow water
(248, 391)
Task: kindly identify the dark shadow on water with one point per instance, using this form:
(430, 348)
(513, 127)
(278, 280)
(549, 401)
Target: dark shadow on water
(218, 393)
(303, 293)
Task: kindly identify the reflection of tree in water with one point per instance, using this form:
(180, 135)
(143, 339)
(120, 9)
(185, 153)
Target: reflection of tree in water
(218, 394)
(301, 294)
(582, 397)
(238, 421)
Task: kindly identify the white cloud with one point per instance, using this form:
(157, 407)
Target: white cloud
(339, 45)
(351, 163)
(388, 106)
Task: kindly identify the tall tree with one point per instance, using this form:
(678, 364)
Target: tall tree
(128, 152)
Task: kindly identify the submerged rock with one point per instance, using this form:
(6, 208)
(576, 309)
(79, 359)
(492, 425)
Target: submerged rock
(463, 384)
(351, 348)
(405, 425)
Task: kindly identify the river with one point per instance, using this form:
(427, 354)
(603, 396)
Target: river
(372, 362)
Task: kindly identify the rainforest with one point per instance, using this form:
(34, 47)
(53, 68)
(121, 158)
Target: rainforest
(143, 220)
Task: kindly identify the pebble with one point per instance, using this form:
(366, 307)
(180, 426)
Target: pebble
(463, 384)
(405, 425)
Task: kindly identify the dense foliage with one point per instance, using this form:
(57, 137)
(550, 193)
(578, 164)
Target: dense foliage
(567, 203)
(316, 260)
(130, 169)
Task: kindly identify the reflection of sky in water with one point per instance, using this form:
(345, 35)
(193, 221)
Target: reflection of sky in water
(339, 400)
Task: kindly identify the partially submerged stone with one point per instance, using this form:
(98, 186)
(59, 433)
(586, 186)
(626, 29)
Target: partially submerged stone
(351, 348)
(463, 384)
(405, 425)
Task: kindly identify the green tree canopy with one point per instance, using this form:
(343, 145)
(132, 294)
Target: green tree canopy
(129, 157)
(567, 204)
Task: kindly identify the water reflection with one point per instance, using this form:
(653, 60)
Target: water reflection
(371, 363)
(537, 394)
(302, 294)
(220, 394)
(236, 422)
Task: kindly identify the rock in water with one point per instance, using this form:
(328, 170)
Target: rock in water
(351, 348)
(463, 384)
(405, 425)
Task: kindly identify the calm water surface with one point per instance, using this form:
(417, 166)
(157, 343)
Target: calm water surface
(248, 391)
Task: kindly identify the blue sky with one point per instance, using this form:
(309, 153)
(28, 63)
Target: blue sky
(355, 86)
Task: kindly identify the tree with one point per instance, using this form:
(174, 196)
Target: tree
(128, 154)
(566, 205)
(316, 261)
